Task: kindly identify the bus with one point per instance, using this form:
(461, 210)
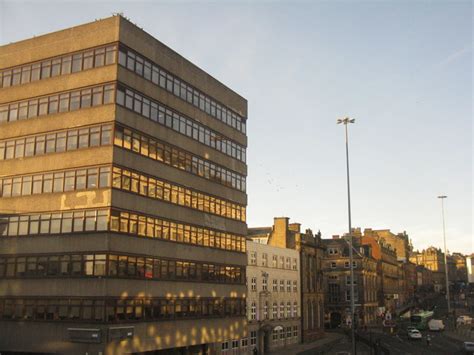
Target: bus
(420, 320)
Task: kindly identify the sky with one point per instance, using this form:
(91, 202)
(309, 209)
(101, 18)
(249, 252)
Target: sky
(402, 69)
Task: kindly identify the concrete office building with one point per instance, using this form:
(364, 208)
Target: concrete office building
(122, 197)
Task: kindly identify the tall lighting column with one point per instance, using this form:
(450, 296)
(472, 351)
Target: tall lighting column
(346, 121)
(445, 255)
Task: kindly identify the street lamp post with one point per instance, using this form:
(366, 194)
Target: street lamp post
(346, 121)
(442, 197)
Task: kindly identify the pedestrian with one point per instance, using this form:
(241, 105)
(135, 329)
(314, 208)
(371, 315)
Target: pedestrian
(255, 351)
(428, 340)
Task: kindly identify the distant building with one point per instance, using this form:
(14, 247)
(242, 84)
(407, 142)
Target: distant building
(433, 259)
(273, 296)
(285, 235)
(470, 268)
(399, 242)
(409, 275)
(460, 265)
(424, 279)
(336, 271)
(388, 270)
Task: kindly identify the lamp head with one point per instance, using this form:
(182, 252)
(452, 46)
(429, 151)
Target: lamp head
(345, 120)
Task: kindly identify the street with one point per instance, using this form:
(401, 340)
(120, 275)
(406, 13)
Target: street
(399, 344)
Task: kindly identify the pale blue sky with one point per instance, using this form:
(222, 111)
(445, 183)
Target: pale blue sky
(403, 69)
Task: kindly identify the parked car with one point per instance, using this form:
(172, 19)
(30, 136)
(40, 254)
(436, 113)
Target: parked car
(436, 325)
(468, 347)
(464, 320)
(414, 334)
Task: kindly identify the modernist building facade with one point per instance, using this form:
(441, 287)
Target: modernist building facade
(288, 235)
(122, 196)
(273, 296)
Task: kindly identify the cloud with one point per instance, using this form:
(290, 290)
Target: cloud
(454, 56)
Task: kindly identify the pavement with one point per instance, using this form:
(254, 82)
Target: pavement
(316, 347)
(460, 334)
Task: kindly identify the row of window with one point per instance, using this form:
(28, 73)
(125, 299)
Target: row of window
(104, 94)
(62, 65)
(180, 159)
(334, 293)
(122, 266)
(347, 264)
(56, 142)
(280, 333)
(157, 112)
(99, 177)
(158, 189)
(285, 263)
(289, 284)
(54, 223)
(93, 136)
(123, 222)
(158, 76)
(290, 311)
(117, 310)
(62, 181)
(153, 227)
(63, 102)
(234, 344)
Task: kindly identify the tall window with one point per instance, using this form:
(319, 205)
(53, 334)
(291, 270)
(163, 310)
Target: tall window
(334, 291)
(253, 311)
(274, 261)
(275, 285)
(265, 310)
(348, 295)
(253, 258)
(275, 310)
(265, 284)
(264, 259)
(254, 284)
(282, 285)
(282, 311)
(253, 337)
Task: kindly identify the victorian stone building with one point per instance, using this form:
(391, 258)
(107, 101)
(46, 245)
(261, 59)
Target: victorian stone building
(433, 259)
(288, 235)
(336, 271)
(273, 297)
(122, 197)
(399, 242)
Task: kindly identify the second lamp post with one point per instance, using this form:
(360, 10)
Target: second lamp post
(346, 121)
